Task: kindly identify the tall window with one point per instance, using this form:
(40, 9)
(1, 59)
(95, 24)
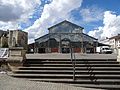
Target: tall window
(53, 43)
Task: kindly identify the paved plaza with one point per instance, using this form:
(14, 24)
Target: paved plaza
(10, 83)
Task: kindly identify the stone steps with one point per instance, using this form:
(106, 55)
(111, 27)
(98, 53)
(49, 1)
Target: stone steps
(65, 72)
(100, 72)
(92, 76)
(81, 81)
(69, 68)
(69, 62)
(76, 65)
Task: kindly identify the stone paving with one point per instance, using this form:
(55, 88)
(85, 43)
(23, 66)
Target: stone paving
(68, 56)
(10, 83)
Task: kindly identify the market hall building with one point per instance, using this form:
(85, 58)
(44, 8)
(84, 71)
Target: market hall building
(64, 36)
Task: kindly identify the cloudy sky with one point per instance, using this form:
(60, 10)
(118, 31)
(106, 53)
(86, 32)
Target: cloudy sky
(100, 18)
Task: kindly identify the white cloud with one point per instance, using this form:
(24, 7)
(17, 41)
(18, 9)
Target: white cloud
(8, 25)
(96, 32)
(54, 12)
(111, 26)
(15, 11)
(91, 14)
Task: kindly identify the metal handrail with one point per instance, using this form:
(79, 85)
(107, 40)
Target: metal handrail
(73, 63)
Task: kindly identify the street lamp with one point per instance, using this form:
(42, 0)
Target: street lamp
(73, 61)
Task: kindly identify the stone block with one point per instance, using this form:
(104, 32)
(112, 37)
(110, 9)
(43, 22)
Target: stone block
(17, 56)
(15, 53)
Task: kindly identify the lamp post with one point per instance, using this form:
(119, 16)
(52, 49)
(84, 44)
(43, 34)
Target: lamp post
(81, 43)
(73, 61)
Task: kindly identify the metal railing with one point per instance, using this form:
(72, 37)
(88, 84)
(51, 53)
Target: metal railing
(73, 60)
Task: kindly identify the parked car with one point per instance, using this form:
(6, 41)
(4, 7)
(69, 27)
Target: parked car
(104, 50)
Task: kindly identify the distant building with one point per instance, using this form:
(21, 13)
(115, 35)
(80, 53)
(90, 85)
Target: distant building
(64, 36)
(11, 38)
(18, 38)
(114, 42)
(105, 41)
(3, 39)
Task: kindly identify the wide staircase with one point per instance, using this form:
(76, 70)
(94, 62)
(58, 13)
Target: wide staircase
(89, 73)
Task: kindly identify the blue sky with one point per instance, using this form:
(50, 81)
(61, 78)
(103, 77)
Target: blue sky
(100, 18)
(74, 13)
(104, 5)
(36, 15)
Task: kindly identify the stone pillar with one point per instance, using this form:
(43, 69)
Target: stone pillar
(16, 57)
(10, 38)
(118, 57)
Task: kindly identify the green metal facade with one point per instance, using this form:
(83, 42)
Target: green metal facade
(63, 35)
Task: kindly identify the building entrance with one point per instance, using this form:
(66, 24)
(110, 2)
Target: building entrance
(41, 50)
(65, 43)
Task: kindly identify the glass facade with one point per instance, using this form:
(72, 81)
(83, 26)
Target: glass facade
(63, 36)
(65, 27)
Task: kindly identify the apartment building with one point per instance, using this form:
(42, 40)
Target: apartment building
(114, 42)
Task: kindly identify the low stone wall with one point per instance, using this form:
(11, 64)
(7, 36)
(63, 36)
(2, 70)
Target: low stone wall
(4, 65)
(16, 57)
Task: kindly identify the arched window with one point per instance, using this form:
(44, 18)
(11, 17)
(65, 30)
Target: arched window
(53, 43)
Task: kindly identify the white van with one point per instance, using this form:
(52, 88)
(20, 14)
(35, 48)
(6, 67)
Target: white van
(104, 50)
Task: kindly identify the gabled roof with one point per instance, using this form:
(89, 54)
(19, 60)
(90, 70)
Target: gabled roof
(65, 21)
(102, 44)
(47, 37)
(89, 36)
(115, 37)
(44, 36)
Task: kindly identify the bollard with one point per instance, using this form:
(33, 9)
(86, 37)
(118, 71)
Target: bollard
(118, 56)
